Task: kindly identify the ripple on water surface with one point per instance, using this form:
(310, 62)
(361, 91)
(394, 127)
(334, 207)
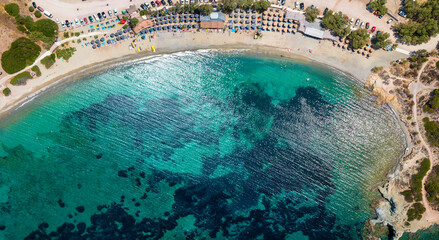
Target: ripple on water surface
(197, 144)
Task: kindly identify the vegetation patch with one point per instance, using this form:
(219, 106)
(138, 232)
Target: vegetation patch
(37, 14)
(415, 212)
(432, 131)
(6, 92)
(432, 187)
(48, 61)
(65, 53)
(12, 9)
(23, 52)
(416, 180)
(230, 5)
(407, 195)
(20, 79)
(31, 9)
(379, 6)
(433, 104)
(381, 39)
(36, 69)
(311, 14)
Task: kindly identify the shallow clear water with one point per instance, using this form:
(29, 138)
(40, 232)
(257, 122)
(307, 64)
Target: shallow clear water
(197, 144)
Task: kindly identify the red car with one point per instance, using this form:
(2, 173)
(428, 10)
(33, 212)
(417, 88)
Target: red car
(158, 3)
(367, 25)
(85, 20)
(373, 29)
(40, 8)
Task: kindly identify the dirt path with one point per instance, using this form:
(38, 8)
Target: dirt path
(430, 215)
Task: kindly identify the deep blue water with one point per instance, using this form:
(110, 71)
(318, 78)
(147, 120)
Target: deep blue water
(197, 145)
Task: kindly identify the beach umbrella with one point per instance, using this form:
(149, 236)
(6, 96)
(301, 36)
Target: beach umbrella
(99, 45)
(191, 16)
(94, 46)
(247, 16)
(248, 10)
(278, 24)
(112, 35)
(236, 10)
(143, 37)
(108, 41)
(242, 21)
(263, 23)
(273, 24)
(253, 21)
(195, 25)
(253, 16)
(279, 19)
(179, 25)
(253, 27)
(230, 26)
(235, 21)
(102, 39)
(123, 37)
(92, 42)
(196, 15)
(124, 31)
(247, 21)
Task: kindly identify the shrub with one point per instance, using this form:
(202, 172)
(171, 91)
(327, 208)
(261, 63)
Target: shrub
(12, 9)
(337, 23)
(261, 5)
(23, 52)
(37, 14)
(377, 69)
(359, 38)
(407, 195)
(432, 187)
(6, 91)
(65, 53)
(437, 64)
(409, 117)
(134, 22)
(48, 61)
(31, 9)
(20, 79)
(66, 35)
(36, 69)
(77, 34)
(22, 29)
(48, 27)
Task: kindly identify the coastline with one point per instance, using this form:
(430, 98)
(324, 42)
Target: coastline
(282, 47)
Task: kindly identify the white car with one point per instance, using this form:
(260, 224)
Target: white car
(57, 20)
(96, 17)
(115, 11)
(109, 13)
(76, 21)
(352, 21)
(63, 25)
(390, 20)
(297, 5)
(362, 25)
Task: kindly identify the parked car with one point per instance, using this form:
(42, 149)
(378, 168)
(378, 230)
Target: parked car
(402, 14)
(152, 3)
(57, 20)
(103, 15)
(34, 4)
(63, 25)
(67, 23)
(352, 21)
(163, 2)
(147, 4)
(297, 5)
(283, 2)
(170, 2)
(362, 25)
(99, 16)
(76, 21)
(90, 18)
(48, 14)
(381, 16)
(357, 22)
(373, 29)
(115, 12)
(143, 6)
(110, 13)
(326, 10)
(390, 20)
(81, 21)
(40, 9)
(312, 6)
(302, 6)
(367, 25)
(85, 20)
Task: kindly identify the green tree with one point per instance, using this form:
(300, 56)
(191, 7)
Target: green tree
(21, 78)
(381, 39)
(205, 9)
(311, 14)
(359, 38)
(31, 9)
(6, 91)
(261, 5)
(378, 5)
(37, 70)
(337, 23)
(22, 53)
(437, 64)
(48, 61)
(12, 9)
(37, 14)
(432, 130)
(134, 22)
(227, 5)
(247, 4)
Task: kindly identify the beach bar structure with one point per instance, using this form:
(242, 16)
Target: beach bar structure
(215, 20)
(132, 10)
(313, 30)
(147, 24)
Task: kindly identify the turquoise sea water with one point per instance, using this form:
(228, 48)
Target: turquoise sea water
(196, 145)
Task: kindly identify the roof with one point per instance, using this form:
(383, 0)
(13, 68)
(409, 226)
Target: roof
(213, 17)
(142, 25)
(314, 32)
(216, 24)
(132, 9)
(298, 16)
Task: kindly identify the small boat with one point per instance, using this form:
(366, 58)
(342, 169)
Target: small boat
(152, 48)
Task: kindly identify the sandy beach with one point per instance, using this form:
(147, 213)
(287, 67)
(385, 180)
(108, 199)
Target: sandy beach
(290, 45)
